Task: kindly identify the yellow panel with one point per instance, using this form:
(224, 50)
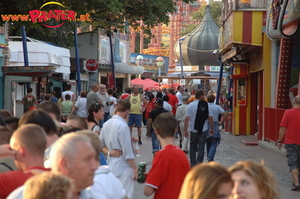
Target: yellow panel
(257, 28)
(266, 62)
(238, 27)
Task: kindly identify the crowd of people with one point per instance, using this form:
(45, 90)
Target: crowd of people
(83, 148)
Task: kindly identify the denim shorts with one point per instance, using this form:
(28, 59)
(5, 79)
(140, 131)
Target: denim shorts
(135, 119)
(293, 156)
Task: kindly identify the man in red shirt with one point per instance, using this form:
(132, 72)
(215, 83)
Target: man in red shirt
(289, 127)
(173, 100)
(170, 165)
(29, 143)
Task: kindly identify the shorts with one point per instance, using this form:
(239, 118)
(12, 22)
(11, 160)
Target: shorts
(293, 156)
(135, 119)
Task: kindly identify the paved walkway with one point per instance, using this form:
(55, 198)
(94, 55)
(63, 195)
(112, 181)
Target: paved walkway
(231, 150)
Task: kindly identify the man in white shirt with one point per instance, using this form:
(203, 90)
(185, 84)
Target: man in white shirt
(113, 102)
(115, 134)
(179, 95)
(103, 95)
(68, 91)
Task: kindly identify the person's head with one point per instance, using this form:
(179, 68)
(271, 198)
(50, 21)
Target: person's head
(67, 97)
(185, 99)
(95, 141)
(40, 118)
(77, 121)
(159, 94)
(159, 102)
(5, 135)
(67, 130)
(82, 94)
(297, 100)
(68, 87)
(179, 88)
(165, 125)
(12, 123)
(29, 142)
(48, 185)
(210, 98)
(166, 98)
(102, 88)
(208, 180)
(29, 90)
(95, 113)
(135, 89)
(110, 91)
(52, 109)
(53, 93)
(151, 97)
(164, 90)
(47, 97)
(95, 88)
(5, 114)
(253, 180)
(123, 105)
(128, 90)
(74, 156)
(199, 94)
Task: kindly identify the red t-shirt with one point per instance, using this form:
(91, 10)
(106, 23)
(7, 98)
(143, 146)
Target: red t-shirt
(172, 101)
(291, 121)
(11, 180)
(169, 168)
(150, 107)
(124, 96)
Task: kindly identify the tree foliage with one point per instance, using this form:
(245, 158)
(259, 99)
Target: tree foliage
(216, 11)
(107, 14)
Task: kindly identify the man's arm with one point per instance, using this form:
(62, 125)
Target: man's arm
(5, 150)
(224, 116)
(73, 98)
(186, 124)
(280, 137)
(148, 191)
(211, 123)
(134, 168)
(149, 123)
(145, 102)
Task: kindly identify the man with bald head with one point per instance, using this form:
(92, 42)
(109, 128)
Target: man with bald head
(92, 97)
(289, 126)
(74, 156)
(29, 157)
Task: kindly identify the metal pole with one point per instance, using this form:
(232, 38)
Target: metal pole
(25, 51)
(180, 51)
(112, 60)
(77, 61)
(219, 83)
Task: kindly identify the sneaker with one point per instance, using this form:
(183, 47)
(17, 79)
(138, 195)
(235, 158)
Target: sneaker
(296, 188)
(227, 133)
(140, 142)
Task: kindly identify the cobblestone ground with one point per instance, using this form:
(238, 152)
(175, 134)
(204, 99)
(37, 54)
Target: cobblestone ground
(227, 155)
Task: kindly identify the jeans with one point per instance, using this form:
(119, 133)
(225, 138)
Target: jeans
(106, 117)
(155, 143)
(211, 148)
(196, 139)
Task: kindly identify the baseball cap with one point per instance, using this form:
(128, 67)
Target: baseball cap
(185, 97)
(159, 101)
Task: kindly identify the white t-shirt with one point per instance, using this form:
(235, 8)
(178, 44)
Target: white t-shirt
(112, 107)
(167, 106)
(63, 95)
(106, 185)
(81, 107)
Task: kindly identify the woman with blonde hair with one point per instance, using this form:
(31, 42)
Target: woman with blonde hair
(48, 185)
(253, 181)
(209, 180)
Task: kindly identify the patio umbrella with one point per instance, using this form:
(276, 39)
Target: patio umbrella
(143, 83)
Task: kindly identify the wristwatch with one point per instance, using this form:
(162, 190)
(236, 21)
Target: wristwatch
(279, 141)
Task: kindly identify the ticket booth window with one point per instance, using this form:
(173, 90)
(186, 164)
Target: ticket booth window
(242, 92)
